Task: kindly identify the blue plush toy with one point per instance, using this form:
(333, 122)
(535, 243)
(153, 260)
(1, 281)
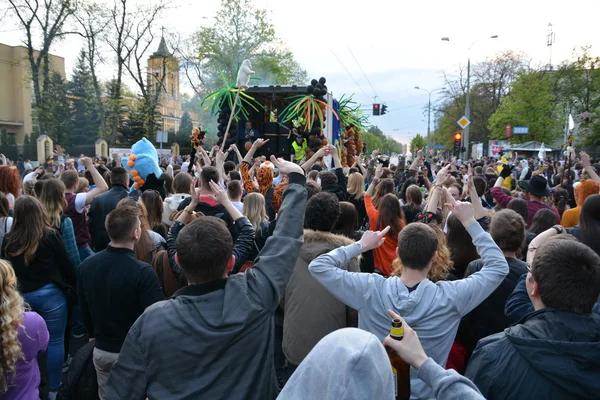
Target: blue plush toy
(143, 164)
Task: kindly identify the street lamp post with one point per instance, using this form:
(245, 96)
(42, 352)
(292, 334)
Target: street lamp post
(467, 129)
(429, 116)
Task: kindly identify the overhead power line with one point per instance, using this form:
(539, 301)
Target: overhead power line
(363, 72)
(349, 74)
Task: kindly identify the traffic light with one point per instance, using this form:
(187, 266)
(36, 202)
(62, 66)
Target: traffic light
(376, 109)
(383, 109)
(457, 143)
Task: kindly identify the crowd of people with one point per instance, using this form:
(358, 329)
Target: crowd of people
(259, 278)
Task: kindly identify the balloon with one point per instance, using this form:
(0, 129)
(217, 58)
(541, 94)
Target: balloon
(248, 146)
(324, 88)
(314, 82)
(317, 92)
(130, 163)
(324, 142)
(322, 81)
(310, 89)
(319, 85)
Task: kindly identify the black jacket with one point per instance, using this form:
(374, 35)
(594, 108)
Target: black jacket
(101, 206)
(549, 355)
(81, 382)
(488, 317)
(114, 288)
(340, 189)
(244, 244)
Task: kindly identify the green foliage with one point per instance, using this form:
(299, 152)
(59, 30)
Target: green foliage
(86, 117)
(376, 139)
(4, 139)
(531, 103)
(132, 128)
(185, 129)
(417, 143)
(240, 31)
(578, 85)
(54, 111)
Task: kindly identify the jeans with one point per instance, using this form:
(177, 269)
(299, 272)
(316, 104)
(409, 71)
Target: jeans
(85, 252)
(50, 302)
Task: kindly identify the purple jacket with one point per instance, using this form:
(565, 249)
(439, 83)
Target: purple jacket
(34, 337)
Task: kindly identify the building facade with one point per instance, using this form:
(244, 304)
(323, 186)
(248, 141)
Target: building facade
(163, 77)
(17, 91)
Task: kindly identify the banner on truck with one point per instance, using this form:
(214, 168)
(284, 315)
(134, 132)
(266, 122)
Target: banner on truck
(496, 146)
(124, 153)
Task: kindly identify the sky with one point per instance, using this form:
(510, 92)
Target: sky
(385, 48)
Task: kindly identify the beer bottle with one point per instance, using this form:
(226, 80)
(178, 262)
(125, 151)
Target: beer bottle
(400, 368)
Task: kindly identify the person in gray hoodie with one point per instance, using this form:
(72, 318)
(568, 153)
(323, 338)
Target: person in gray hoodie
(432, 309)
(352, 364)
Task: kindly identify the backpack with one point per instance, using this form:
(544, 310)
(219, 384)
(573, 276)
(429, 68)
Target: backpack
(168, 281)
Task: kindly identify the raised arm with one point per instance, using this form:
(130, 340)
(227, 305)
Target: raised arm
(374, 181)
(585, 162)
(496, 191)
(311, 161)
(358, 164)
(475, 200)
(266, 282)
(255, 146)
(472, 290)
(351, 288)
(99, 181)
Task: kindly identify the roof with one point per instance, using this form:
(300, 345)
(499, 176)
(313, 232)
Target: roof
(531, 146)
(162, 50)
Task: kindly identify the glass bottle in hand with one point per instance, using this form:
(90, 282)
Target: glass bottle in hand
(400, 368)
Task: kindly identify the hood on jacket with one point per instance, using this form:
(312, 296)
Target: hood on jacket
(317, 243)
(174, 200)
(346, 364)
(563, 347)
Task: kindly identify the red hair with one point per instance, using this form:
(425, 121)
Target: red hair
(9, 180)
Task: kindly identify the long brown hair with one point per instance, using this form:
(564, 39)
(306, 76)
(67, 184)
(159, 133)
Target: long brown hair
(4, 206)
(53, 200)
(145, 245)
(11, 315)
(9, 180)
(154, 207)
(386, 186)
(28, 228)
(391, 214)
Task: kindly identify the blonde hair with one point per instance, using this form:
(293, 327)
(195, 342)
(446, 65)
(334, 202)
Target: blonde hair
(356, 185)
(442, 265)
(254, 209)
(83, 184)
(12, 310)
(28, 187)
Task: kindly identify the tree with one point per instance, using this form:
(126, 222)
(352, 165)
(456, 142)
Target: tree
(43, 24)
(385, 144)
(417, 143)
(55, 110)
(237, 32)
(93, 20)
(490, 82)
(531, 103)
(86, 118)
(133, 128)
(579, 91)
(185, 128)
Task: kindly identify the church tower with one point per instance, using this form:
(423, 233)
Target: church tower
(163, 77)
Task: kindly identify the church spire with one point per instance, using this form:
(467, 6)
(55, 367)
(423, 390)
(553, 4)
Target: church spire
(162, 49)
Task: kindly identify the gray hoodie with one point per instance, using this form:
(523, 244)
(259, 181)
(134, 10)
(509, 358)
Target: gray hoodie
(434, 310)
(346, 364)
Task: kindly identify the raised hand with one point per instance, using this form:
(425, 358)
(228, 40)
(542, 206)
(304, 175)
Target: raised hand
(378, 171)
(259, 143)
(286, 167)
(220, 156)
(442, 175)
(373, 239)
(585, 159)
(220, 195)
(464, 211)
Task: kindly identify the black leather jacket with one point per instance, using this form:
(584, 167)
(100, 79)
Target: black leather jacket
(243, 245)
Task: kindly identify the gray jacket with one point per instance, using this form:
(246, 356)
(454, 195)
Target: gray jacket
(215, 340)
(311, 312)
